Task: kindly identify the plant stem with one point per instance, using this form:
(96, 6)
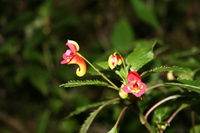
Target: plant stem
(155, 86)
(159, 103)
(120, 115)
(174, 114)
(144, 122)
(99, 72)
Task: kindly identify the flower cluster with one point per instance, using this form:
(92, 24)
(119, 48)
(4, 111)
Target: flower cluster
(71, 57)
(135, 85)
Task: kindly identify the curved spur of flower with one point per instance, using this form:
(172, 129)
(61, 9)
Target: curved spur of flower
(114, 60)
(73, 46)
(70, 58)
(135, 85)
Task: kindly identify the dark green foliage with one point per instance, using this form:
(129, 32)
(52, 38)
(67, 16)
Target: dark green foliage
(32, 40)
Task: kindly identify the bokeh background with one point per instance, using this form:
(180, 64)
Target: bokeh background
(32, 40)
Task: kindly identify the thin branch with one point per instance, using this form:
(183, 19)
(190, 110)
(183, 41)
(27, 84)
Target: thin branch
(159, 103)
(174, 114)
(120, 115)
(155, 86)
(116, 88)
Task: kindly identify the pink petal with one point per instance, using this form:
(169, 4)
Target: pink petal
(133, 76)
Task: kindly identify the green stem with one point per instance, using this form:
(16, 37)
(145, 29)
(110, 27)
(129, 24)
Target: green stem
(145, 123)
(143, 120)
(99, 72)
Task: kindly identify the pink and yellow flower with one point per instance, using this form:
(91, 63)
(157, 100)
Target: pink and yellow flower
(114, 60)
(135, 85)
(71, 57)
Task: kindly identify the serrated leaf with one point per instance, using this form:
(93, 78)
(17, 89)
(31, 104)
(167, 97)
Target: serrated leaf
(82, 109)
(88, 121)
(141, 55)
(73, 83)
(144, 13)
(187, 84)
(162, 68)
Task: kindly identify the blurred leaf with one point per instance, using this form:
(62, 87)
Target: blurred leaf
(38, 76)
(195, 129)
(74, 83)
(141, 55)
(69, 126)
(188, 75)
(162, 68)
(82, 109)
(10, 47)
(197, 74)
(18, 22)
(56, 105)
(103, 65)
(122, 35)
(160, 113)
(187, 84)
(144, 13)
(46, 8)
(43, 122)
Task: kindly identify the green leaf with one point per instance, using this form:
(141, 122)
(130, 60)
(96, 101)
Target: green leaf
(82, 109)
(144, 13)
(187, 84)
(76, 83)
(160, 113)
(103, 64)
(113, 130)
(43, 122)
(195, 128)
(89, 120)
(122, 35)
(141, 55)
(162, 68)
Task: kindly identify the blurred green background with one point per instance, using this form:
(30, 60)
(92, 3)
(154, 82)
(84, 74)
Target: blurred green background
(32, 39)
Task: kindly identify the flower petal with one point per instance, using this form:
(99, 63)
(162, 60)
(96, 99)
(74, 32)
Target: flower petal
(128, 87)
(133, 76)
(137, 88)
(142, 89)
(74, 47)
(81, 63)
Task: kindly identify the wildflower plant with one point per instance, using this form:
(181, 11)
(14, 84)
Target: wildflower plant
(133, 84)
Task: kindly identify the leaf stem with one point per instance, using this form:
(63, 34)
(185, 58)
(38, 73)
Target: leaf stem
(174, 114)
(155, 86)
(159, 103)
(120, 115)
(145, 123)
(116, 88)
